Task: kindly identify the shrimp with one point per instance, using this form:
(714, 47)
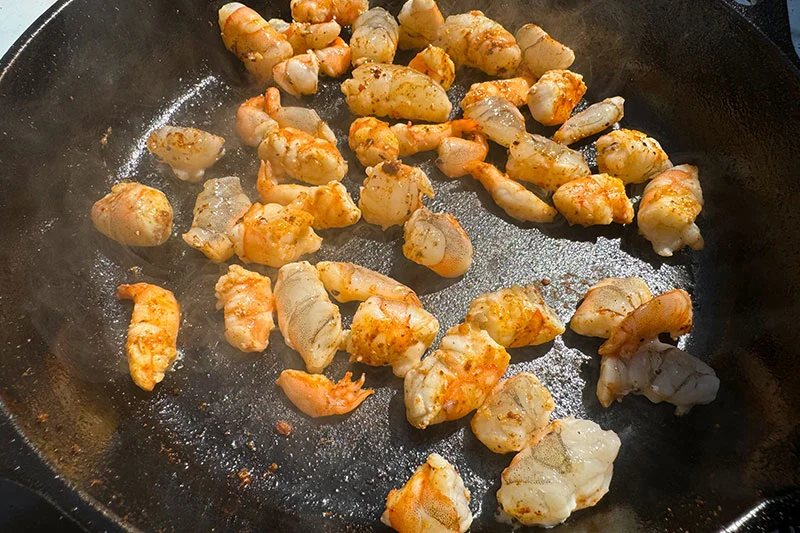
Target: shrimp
(670, 312)
(317, 396)
(420, 21)
(552, 98)
(309, 321)
(631, 156)
(514, 413)
(397, 92)
(455, 154)
(299, 118)
(569, 467)
(513, 198)
(540, 52)
(477, 41)
(153, 332)
(437, 241)
(455, 379)
(515, 90)
(344, 11)
(434, 499)
(298, 75)
(607, 303)
(545, 163)
(669, 208)
(187, 151)
(424, 137)
(392, 192)
(304, 36)
(435, 63)
(302, 156)
(257, 44)
(253, 122)
(274, 235)
(515, 317)
(390, 332)
(499, 119)
(134, 214)
(348, 282)
(598, 199)
(374, 37)
(591, 120)
(373, 141)
(334, 60)
(247, 299)
(220, 204)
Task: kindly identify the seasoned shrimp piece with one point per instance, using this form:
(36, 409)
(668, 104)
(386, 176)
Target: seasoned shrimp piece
(607, 303)
(390, 332)
(317, 396)
(591, 120)
(153, 332)
(253, 122)
(304, 36)
(348, 282)
(434, 499)
(344, 11)
(513, 198)
(514, 413)
(456, 154)
(299, 118)
(477, 41)
(437, 241)
(133, 214)
(540, 161)
(567, 468)
(552, 98)
(309, 321)
(515, 317)
(598, 199)
(334, 60)
(373, 141)
(499, 119)
(374, 37)
(397, 92)
(540, 52)
(187, 151)
(631, 156)
(247, 299)
(302, 156)
(257, 44)
(298, 75)
(435, 63)
(392, 192)
(420, 21)
(220, 204)
(424, 137)
(515, 90)
(669, 208)
(670, 312)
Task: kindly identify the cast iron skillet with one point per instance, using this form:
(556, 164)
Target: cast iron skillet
(79, 94)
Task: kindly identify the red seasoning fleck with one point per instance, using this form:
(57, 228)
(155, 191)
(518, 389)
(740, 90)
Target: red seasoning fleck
(283, 428)
(42, 418)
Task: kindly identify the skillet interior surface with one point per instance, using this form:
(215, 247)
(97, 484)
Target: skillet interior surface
(75, 107)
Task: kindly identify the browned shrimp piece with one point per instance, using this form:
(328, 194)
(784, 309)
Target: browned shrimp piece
(420, 21)
(344, 11)
(515, 90)
(134, 214)
(317, 396)
(435, 63)
(247, 299)
(437, 241)
(474, 40)
(373, 141)
(594, 200)
(540, 52)
(334, 60)
(415, 138)
(552, 98)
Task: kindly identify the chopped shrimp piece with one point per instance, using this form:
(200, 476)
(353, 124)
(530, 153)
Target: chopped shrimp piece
(435, 63)
(301, 156)
(499, 119)
(424, 137)
(669, 208)
(477, 41)
(594, 200)
(188, 151)
(344, 11)
(420, 21)
(513, 198)
(607, 303)
(631, 156)
(456, 154)
(298, 75)
(591, 120)
(304, 36)
(552, 98)
(348, 282)
(299, 118)
(153, 332)
(392, 192)
(373, 141)
(334, 60)
(317, 396)
(437, 241)
(515, 90)
(543, 162)
(540, 52)
(247, 299)
(253, 122)
(374, 37)
(134, 214)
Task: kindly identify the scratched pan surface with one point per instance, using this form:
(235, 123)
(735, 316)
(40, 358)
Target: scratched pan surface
(76, 105)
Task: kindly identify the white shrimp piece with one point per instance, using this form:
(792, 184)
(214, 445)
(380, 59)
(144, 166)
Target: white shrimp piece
(477, 41)
(455, 379)
(553, 97)
(543, 162)
(669, 208)
(247, 299)
(568, 468)
(670, 312)
(631, 156)
(253, 122)
(299, 118)
(591, 120)
(220, 204)
(514, 413)
(348, 282)
(594, 200)
(134, 214)
(436, 64)
(390, 333)
(392, 192)
(304, 36)
(301, 156)
(298, 75)
(334, 60)
(309, 321)
(397, 92)
(374, 37)
(437, 241)
(188, 151)
(499, 119)
(513, 198)
(607, 303)
(373, 141)
(317, 396)
(540, 52)
(456, 154)
(433, 500)
(420, 21)
(423, 137)
(345, 12)
(515, 90)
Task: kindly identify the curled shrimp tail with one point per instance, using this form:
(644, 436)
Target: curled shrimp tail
(348, 394)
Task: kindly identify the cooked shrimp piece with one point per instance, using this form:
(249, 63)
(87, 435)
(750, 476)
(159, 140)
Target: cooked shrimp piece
(456, 154)
(477, 41)
(423, 137)
(317, 396)
(594, 200)
(591, 120)
(334, 60)
(187, 151)
(153, 332)
(607, 303)
(344, 11)
(257, 44)
(304, 36)
(553, 97)
(420, 21)
(669, 208)
(220, 204)
(567, 468)
(435, 63)
(373, 141)
(299, 118)
(514, 413)
(540, 52)
(253, 122)
(298, 75)
(670, 312)
(247, 299)
(397, 92)
(348, 282)
(434, 499)
(437, 241)
(309, 321)
(513, 198)
(543, 162)
(390, 333)
(374, 37)
(631, 156)
(499, 119)
(515, 90)
(392, 192)
(302, 156)
(134, 214)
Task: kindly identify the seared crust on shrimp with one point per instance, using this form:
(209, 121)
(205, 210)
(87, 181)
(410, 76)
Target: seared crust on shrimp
(373, 141)
(298, 75)
(423, 137)
(456, 154)
(435, 63)
(304, 36)
(540, 52)
(420, 21)
(302, 156)
(499, 119)
(607, 303)
(513, 198)
(553, 97)
(543, 162)
(591, 120)
(187, 151)
(134, 214)
(348, 282)
(392, 192)
(474, 40)
(247, 299)
(344, 11)
(631, 156)
(515, 90)
(374, 37)
(598, 199)
(437, 241)
(317, 396)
